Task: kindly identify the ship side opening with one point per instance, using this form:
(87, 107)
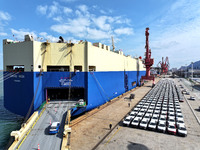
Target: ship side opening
(19, 68)
(62, 94)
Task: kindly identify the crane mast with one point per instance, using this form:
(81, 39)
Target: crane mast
(148, 61)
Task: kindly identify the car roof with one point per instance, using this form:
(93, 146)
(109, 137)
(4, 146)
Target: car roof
(54, 124)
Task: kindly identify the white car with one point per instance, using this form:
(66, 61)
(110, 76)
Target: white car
(146, 117)
(179, 117)
(143, 124)
(136, 109)
(138, 117)
(161, 127)
(172, 115)
(154, 119)
(135, 123)
(156, 114)
(192, 98)
(152, 125)
(182, 131)
(171, 128)
(127, 121)
(178, 112)
(180, 123)
(171, 120)
(133, 113)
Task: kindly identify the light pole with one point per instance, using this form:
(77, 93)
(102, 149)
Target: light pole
(185, 70)
(192, 70)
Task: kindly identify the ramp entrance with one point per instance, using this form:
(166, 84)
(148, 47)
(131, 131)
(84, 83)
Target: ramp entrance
(62, 94)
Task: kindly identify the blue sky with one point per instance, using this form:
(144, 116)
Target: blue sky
(174, 25)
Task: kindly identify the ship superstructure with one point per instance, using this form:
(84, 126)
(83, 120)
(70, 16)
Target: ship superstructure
(35, 72)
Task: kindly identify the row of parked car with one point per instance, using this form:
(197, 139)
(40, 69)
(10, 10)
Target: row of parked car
(159, 110)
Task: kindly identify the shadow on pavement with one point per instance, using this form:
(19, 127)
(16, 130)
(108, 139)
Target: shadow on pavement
(136, 146)
(198, 110)
(46, 131)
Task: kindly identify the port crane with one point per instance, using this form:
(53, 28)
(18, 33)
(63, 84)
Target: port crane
(148, 61)
(164, 65)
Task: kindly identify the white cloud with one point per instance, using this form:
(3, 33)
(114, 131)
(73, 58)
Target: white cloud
(101, 22)
(84, 24)
(67, 10)
(97, 34)
(58, 19)
(126, 31)
(19, 34)
(83, 8)
(53, 9)
(42, 9)
(51, 38)
(74, 26)
(103, 12)
(3, 34)
(4, 16)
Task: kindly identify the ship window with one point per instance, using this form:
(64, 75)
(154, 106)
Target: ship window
(78, 68)
(92, 68)
(15, 68)
(57, 68)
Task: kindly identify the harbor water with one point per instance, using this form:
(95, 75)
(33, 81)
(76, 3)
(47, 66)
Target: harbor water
(8, 120)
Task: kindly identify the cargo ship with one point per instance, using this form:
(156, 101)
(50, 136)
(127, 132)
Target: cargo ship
(37, 72)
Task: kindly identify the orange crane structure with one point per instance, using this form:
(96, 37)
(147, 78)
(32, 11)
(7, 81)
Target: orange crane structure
(148, 61)
(164, 65)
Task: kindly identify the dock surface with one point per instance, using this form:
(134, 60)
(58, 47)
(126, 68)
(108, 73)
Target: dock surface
(133, 138)
(90, 131)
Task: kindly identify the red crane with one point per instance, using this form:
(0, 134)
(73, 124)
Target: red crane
(148, 61)
(164, 65)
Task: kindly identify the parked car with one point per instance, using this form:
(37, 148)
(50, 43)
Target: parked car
(182, 131)
(127, 121)
(135, 123)
(180, 123)
(161, 127)
(152, 125)
(143, 124)
(171, 128)
(192, 98)
(184, 91)
(179, 117)
(54, 128)
(187, 93)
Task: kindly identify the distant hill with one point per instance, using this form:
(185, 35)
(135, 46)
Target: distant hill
(196, 65)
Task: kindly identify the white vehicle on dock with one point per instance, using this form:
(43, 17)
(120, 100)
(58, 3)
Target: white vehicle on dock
(152, 125)
(127, 121)
(135, 123)
(161, 127)
(182, 131)
(192, 98)
(144, 123)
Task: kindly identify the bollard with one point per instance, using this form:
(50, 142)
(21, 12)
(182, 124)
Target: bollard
(38, 147)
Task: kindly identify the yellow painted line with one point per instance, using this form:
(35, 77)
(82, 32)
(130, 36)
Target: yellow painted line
(31, 128)
(112, 136)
